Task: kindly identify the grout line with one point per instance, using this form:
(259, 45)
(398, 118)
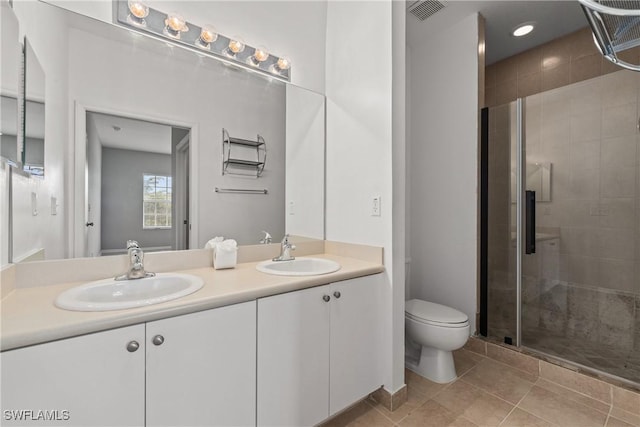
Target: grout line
(490, 393)
(578, 392)
(517, 405)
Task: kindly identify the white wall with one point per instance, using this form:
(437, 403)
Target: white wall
(359, 144)
(304, 181)
(295, 29)
(444, 159)
(48, 38)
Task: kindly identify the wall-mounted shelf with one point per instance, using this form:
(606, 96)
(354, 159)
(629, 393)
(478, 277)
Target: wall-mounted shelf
(243, 156)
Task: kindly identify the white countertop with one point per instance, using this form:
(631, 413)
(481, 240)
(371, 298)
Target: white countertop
(29, 315)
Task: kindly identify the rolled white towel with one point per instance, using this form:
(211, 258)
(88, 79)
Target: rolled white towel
(212, 243)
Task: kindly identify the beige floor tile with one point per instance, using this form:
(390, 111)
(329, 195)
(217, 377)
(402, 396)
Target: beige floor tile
(432, 414)
(360, 415)
(478, 406)
(421, 385)
(573, 395)
(614, 422)
(626, 400)
(625, 416)
(576, 381)
(520, 418)
(465, 360)
(501, 380)
(560, 410)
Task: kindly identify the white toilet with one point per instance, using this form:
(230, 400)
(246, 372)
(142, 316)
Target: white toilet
(433, 331)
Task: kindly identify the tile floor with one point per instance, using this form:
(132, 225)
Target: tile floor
(489, 393)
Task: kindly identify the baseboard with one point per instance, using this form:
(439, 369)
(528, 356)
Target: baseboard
(390, 401)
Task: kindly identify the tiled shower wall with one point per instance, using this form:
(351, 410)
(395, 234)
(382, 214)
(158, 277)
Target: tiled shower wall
(569, 59)
(583, 284)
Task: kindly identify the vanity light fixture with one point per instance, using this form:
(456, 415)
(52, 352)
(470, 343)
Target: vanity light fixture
(523, 29)
(175, 25)
(281, 65)
(236, 46)
(136, 15)
(208, 35)
(137, 12)
(260, 54)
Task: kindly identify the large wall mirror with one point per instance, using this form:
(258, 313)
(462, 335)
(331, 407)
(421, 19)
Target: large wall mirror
(145, 122)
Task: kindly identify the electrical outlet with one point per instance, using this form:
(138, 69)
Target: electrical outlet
(375, 206)
(54, 206)
(292, 208)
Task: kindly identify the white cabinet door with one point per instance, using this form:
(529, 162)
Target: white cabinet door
(356, 340)
(293, 358)
(204, 372)
(91, 380)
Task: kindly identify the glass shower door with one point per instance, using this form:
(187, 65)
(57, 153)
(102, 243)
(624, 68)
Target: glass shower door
(572, 289)
(501, 215)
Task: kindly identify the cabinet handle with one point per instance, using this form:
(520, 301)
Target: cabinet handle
(157, 340)
(326, 298)
(337, 294)
(132, 346)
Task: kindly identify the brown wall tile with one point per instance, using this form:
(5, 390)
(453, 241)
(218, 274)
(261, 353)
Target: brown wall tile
(529, 62)
(576, 381)
(586, 67)
(582, 44)
(506, 92)
(555, 53)
(556, 77)
(513, 358)
(529, 84)
(506, 70)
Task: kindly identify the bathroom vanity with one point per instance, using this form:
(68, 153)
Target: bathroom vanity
(248, 348)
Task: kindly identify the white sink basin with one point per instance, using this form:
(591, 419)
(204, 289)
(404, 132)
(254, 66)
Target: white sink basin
(110, 294)
(299, 267)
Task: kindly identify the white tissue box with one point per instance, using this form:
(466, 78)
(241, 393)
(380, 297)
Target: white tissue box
(224, 258)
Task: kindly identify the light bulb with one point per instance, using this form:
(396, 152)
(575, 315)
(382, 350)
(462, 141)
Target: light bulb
(175, 24)
(283, 63)
(236, 45)
(138, 9)
(208, 34)
(260, 54)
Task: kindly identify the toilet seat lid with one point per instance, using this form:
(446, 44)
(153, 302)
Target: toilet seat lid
(432, 312)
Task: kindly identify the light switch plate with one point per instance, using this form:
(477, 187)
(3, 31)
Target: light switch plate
(375, 206)
(34, 203)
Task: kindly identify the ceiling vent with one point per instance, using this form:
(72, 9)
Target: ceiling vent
(424, 9)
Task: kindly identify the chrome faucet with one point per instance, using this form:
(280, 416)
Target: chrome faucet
(285, 250)
(136, 266)
(266, 239)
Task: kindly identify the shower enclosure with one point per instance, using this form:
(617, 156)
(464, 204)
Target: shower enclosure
(561, 224)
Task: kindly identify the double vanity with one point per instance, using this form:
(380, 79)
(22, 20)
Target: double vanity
(247, 348)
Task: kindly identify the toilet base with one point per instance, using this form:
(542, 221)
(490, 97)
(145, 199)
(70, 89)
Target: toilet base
(435, 365)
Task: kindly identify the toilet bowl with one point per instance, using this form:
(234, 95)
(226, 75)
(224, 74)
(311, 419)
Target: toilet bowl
(433, 331)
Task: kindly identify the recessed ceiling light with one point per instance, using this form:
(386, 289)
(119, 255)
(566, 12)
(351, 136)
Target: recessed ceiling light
(523, 29)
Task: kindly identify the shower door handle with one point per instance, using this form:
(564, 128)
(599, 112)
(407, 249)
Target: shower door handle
(530, 222)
